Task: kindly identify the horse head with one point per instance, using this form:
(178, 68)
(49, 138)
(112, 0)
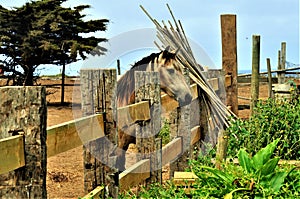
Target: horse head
(172, 80)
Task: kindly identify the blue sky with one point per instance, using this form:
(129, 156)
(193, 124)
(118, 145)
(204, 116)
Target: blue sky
(275, 20)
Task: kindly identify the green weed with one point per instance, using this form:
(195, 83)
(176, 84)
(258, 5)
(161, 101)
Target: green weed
(271, 120)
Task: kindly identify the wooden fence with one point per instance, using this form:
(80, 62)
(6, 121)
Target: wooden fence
(273, 82)
(26, 143)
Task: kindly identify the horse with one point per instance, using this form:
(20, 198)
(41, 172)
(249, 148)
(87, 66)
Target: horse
(172, 82)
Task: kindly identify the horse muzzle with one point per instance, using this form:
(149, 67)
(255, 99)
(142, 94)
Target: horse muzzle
(185, 101)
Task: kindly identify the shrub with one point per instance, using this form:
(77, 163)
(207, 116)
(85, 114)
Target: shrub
(256, 177)
(271, 120)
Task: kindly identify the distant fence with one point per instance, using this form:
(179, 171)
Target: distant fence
(26, 142)
(270, 80)
(246, 78)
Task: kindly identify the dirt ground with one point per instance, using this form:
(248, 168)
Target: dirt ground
(65, 171)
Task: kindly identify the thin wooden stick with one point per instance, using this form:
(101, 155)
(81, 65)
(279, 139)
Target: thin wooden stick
(176, 39)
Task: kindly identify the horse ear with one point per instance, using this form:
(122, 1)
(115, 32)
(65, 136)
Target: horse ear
(175, 51)
(168, 48)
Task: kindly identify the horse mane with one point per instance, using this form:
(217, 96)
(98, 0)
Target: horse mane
(125, 86)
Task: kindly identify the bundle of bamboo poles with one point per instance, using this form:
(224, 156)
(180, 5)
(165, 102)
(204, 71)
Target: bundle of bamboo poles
(175, 38)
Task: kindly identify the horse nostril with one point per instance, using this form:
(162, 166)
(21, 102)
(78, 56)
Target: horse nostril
(187, 100)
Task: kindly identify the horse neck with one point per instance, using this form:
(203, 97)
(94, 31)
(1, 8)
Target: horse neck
(126, 86)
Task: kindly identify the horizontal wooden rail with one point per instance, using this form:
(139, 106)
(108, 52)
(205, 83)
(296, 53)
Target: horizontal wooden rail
(273, 71)
(134, 175)
(171, 150)
(214, 82)
(247, 80)
(133, 113)
(195, 135)
(97, 193)
(12, 154)
(59, 85)
(244, 98)
(69, 135)
(140, 171)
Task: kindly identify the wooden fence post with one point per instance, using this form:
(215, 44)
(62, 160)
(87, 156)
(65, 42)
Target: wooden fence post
(24, 112)
(221, 149)
(147, 87)
(229, 59)
(184, 131)
(281, 75)
(255, 71)
(269, 77)
(279, 67)
(98, 88)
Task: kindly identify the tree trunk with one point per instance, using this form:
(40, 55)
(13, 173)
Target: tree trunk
(28, 76)
(62, 99)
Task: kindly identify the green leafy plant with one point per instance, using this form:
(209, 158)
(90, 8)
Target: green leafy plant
(271, 120)
(258, 177)
(164, 133)
(262, 166)
(255, 177)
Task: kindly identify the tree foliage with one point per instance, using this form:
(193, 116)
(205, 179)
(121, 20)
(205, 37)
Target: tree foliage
(45, 32)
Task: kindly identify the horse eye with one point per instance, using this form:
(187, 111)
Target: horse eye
(171, 71)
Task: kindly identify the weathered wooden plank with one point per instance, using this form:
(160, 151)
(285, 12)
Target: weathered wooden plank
(69, 135)
(273, 71)
(168, 104)
(66, 136)
(229, 58)
(133, 113)
(269, 78)
(24, 112)
(171, 150)
(281, 64)
(284, 88)
(12, 155)
(255, 72)
(134, 175)
(195, 135)
(147, 87)
(228, 80)
(194, 91)
(185, 175)
(98, 89)
(97, 193)
(184, 178)
(183, 130)
(214, 82)
(261, 80)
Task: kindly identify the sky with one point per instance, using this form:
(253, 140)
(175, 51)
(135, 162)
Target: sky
(131, 33)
